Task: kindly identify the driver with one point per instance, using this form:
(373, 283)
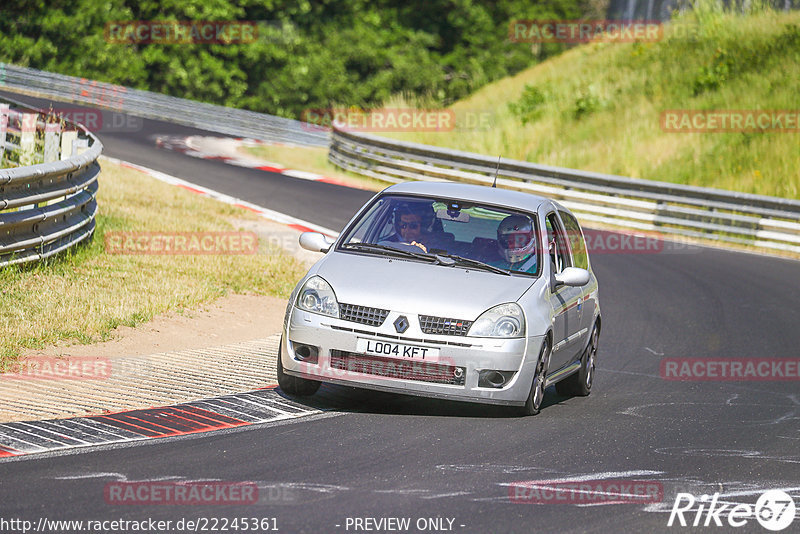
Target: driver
(411, 223)
(516, 240)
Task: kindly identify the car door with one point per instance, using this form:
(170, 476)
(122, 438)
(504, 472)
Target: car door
(580, 259)
(565, 300)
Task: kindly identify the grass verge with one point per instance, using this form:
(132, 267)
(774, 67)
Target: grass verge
(598, 107)
(83, 295)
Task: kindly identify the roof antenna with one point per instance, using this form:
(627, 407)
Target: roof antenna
(494, 183)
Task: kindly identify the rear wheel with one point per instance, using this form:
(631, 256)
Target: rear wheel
(580, 383)
(534, 402)
(293, 385)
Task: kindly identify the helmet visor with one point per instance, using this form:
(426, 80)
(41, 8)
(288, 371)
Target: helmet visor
(515, 240)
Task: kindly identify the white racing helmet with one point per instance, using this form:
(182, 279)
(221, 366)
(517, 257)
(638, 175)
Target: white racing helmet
(516, 238)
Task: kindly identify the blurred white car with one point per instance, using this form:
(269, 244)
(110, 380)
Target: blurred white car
(446, 290)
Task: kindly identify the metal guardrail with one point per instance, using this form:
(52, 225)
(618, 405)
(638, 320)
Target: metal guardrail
(761, 221)
(47, 204)
(230, 121)
(696, 212)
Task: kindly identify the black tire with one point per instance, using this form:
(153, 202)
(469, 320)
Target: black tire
(293, 385)
(580, 384)
(534, 402)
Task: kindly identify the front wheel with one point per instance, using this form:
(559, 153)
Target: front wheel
(580, 383)
(293, 385)
(534, 402)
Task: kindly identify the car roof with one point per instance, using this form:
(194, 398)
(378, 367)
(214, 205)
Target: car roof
(476, 193)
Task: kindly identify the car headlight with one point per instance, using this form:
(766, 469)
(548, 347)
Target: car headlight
(317, 296)
(505, 320)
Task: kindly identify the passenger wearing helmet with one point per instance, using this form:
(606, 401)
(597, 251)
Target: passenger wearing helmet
(516, 241)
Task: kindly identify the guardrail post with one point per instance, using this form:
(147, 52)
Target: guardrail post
(52, 134)
(79, 146)
(27, 138)
(3, 128)
(67, 139)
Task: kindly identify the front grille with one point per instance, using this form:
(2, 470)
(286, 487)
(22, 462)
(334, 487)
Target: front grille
(435, 373)
(362, 314)
(444, 326)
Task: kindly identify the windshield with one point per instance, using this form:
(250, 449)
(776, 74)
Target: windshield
(463, 231)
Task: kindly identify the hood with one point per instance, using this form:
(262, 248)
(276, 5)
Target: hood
(417, 288)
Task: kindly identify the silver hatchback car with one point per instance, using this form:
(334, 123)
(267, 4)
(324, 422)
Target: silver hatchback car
(447, 290)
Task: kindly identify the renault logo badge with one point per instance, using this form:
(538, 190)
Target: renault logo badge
(401, 324)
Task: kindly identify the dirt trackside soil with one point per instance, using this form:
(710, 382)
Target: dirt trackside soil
(228, 320)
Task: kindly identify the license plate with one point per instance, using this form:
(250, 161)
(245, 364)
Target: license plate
(396, 350)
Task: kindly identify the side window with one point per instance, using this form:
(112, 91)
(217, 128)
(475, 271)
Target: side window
(370, 223)
(575, 240)
(557, 244)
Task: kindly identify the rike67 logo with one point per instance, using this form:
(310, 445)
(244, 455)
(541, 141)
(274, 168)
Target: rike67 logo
(774, 510)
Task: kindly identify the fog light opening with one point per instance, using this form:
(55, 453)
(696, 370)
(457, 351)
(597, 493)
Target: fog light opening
(491, 378)
(305, 353)
(495, 379)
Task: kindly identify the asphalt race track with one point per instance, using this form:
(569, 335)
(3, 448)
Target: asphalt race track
(380, 456)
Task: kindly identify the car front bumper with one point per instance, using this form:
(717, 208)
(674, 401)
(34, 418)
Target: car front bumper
(339, 360)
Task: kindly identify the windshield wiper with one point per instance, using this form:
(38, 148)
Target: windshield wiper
(385, 248)
(475, 263)
(439, 257)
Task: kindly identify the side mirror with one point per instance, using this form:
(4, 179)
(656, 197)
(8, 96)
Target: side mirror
(315, 242)
(572, 276)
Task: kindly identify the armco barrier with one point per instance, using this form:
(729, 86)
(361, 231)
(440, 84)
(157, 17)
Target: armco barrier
(761, 221)
(230, 121)
(47, 203)
(696, 212)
